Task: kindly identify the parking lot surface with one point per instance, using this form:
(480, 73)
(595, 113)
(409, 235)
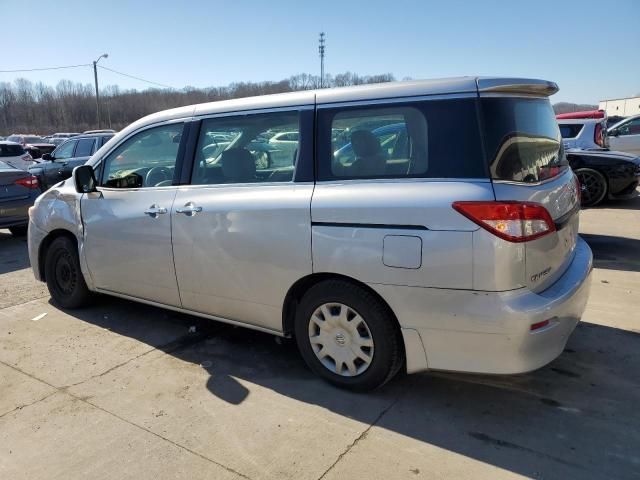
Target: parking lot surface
(123, 390)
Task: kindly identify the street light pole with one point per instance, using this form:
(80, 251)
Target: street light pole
(95, 77)
(321, 51)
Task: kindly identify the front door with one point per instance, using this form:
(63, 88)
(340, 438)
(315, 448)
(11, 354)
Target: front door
(127, 224)
(241, 230)
(627, 138)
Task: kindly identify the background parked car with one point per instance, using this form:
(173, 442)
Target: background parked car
(625, 135)
(14, 154)
(36, 146)
(585, 130)
(104, 130)
(59, 164)
(18, 191)
(604, 174)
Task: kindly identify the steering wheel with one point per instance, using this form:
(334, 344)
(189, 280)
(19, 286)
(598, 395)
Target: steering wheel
(157, 175)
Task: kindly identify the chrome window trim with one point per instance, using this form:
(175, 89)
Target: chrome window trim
(532, 184)
(403, 180)
(395, 100)
(242, 185)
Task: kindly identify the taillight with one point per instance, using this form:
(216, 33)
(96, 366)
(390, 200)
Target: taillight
(28, 182)
(598, 136)
(512, 221)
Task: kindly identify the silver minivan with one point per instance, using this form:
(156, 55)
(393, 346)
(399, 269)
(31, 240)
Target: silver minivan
(427, 225)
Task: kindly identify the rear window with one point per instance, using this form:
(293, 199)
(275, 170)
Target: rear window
(428, 139)
(522, 139)
(570, 131)
(11, 150)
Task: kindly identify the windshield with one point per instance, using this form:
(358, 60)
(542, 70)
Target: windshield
(522, 139)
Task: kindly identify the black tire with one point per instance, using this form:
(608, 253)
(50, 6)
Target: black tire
(20, 231)
(63, 274)
(388, 352)
(593, 186)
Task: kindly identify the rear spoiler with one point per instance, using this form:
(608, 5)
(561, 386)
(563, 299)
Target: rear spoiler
(518, 86)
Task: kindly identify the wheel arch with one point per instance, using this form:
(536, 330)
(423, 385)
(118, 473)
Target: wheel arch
(300, 287)
(46, 243)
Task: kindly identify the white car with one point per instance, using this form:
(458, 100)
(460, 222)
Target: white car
(285, 137)
(625, 135)
(14, 154)
(583, 130)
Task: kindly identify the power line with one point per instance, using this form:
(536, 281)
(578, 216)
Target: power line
(45, 68)
(134, 77)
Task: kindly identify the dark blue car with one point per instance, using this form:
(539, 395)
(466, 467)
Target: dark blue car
(18, 191)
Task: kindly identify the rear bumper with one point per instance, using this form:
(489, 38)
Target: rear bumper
(490, 332)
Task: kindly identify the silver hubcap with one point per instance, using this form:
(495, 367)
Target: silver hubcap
(341, 339)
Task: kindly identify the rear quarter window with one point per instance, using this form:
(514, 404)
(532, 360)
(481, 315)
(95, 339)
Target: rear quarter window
(522, 139)
(570, 131)
(417, 139)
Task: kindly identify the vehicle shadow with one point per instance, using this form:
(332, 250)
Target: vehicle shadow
(13, 254)
(575, 418)
(630, 204)
(614, 253)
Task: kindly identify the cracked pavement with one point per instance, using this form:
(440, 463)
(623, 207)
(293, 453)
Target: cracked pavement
(124, 390)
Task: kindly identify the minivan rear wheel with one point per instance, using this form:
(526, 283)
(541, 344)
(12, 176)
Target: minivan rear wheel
(347, 336)
(63, 274)
(593, 186)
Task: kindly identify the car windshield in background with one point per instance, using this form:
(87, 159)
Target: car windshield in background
(34, 140)
(522, 139)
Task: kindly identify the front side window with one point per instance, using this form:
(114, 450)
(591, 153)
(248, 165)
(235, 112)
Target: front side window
(247, 149)
(85, 147)
(65, 150)
(427, 139)
(522, 139)
(630, 128)
(147, 159)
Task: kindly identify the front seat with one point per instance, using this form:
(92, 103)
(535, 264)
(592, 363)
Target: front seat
(238, 166)
(370, 158)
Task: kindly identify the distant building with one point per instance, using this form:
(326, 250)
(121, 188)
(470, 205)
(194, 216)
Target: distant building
(621, 107)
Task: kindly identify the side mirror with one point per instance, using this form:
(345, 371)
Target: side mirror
(47, 156)
(84, 179)
(613, 133)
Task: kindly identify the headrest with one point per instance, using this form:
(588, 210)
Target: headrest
(238, 165)
(365, 144)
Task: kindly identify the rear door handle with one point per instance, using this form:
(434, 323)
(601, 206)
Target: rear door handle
(189, 209)
(154, 210)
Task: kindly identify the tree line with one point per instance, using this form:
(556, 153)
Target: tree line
(27, 107)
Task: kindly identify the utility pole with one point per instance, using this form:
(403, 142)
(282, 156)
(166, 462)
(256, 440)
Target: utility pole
(95, 77)
(321, 50)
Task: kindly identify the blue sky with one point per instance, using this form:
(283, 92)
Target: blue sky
(590, 48)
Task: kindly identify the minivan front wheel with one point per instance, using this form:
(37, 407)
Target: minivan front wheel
(63, 274)
(347, 336)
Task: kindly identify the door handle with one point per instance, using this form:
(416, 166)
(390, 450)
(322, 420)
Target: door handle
(189, 209)
(154, 210)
